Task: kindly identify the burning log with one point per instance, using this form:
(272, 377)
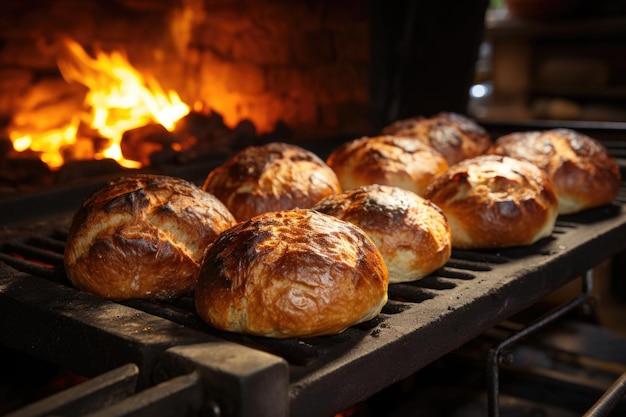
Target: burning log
(211, 137)
(208, 130)
(196, 136)
(139, 143)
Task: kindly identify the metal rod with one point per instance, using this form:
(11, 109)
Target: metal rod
(607, 402)
(180, 396)
(86, 397)
(493, 358)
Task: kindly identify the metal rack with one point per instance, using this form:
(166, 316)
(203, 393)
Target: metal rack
(170, 345)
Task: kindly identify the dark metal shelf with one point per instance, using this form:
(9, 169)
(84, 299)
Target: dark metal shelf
(423, 321)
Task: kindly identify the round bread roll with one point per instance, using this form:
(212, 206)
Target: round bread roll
(494, 201)
(411, 233)
(294, 273)
(455, 136)
(143, 236)
(386, 160)
(580, 168)
(271, 177)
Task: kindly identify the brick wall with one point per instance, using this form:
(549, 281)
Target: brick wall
(304, 63)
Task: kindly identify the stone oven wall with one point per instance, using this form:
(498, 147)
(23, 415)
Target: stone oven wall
(302, 63)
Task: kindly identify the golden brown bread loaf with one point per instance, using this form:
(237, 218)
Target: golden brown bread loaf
(455, 136)
(494, 201)
(294, 273)
(271, 177)
(582, 171)
(411, 233)
(143, 236)
(386, 160)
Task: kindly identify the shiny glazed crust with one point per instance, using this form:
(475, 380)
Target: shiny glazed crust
(143, 236)
(455, 136)
(295, 273)
(493, 201)
(583, 173)
(386, 160)
(271, 177)
(411, 233)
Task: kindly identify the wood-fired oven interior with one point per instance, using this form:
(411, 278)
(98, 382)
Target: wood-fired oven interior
(317, 74)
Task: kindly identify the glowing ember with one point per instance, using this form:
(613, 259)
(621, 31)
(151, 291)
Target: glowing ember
(119, 98)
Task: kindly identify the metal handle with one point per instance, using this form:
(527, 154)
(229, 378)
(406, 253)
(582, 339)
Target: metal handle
(493, 359)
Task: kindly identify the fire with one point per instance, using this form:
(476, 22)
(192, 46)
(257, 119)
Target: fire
(118, 99)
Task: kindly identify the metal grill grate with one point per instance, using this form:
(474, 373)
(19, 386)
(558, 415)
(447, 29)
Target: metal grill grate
(421, 322)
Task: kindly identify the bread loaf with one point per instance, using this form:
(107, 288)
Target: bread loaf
(580, 168)
(295, 273)
(494, 201)
(142, 236)
(411, 233)
(271, 177)
(455, 136)
(386, 160)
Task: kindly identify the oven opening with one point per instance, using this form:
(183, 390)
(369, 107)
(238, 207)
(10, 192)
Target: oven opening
(151, 83)
(92, 89)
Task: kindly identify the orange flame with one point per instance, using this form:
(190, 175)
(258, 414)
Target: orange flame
(119, 98)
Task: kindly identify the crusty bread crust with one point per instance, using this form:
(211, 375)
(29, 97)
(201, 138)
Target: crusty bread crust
(142, 236)
(295, 273)
(387, 160)
(493, 201)
(455, 136)
(271, 177)
(581, 169)
(411, 233)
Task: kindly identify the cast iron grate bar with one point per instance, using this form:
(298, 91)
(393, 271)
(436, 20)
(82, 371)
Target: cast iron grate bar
(89, 396)
(39, 255)
(180, 396)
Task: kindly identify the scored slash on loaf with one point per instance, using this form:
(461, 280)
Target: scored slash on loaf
(387, 160)
(271, 177)
(411, 233)
(453, 135)
(582, 171)
(494, 201)
(294, 273)
(142, 236)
